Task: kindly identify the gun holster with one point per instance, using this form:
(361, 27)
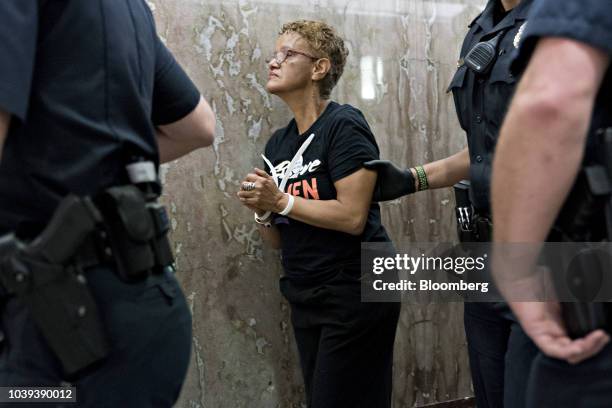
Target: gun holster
(117, 227)
(45, 276)
(580, 220)
(577, 222)
(583, 279)
(63, 308)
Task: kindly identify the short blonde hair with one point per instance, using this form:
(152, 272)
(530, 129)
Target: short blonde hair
(326, 43)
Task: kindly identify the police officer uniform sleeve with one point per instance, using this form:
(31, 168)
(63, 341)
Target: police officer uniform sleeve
(18, 33)
(587, 21)
(174, 94)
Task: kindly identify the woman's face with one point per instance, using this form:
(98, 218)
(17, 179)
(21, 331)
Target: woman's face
(295, 72)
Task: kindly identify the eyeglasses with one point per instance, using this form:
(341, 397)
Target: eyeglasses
(284, 53)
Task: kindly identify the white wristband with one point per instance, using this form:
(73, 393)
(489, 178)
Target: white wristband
(289, 206)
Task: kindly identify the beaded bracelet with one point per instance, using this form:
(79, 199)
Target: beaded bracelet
(422, 177)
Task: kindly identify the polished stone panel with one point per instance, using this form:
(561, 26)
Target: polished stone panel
(402, 56)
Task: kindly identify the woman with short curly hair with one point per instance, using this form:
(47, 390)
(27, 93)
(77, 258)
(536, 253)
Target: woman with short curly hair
(317, 207)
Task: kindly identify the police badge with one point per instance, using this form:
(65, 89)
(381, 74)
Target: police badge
(517, 37)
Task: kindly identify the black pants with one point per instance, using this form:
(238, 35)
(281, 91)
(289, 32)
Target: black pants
(500, 355)
(345, 346)
(149, 327)
(557, 384)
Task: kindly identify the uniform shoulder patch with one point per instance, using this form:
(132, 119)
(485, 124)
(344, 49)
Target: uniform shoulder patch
(519, 35)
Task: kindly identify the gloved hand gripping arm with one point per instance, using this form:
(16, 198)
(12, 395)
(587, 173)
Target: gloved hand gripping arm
(394, 182)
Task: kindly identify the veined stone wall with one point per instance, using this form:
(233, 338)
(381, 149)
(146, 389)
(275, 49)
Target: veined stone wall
(402, 56)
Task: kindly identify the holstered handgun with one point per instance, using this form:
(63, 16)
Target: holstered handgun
(580, 221)
(584, 275)
(42, 275)
(124, 225)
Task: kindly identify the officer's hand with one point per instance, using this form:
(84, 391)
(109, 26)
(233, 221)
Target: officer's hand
(542, 323)
(265, 196)
(392, 182)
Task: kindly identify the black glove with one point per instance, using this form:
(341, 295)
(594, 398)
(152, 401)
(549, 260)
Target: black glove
(392, 182)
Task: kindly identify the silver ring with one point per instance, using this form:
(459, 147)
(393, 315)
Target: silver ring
(248, 186)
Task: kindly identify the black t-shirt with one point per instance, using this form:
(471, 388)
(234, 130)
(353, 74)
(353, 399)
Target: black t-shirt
(85, 83)
(343, 142)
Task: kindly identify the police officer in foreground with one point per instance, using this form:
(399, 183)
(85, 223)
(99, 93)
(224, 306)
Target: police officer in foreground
(556, 133)
(500, 353)
(91, 101)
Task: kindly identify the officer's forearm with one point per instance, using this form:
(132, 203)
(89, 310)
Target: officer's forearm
(195, 130)
(542, 141)
(537, 160)
(5, 121)
(448, 171)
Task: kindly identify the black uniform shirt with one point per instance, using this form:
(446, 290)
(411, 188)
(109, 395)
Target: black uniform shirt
(587, 21)
(481, 101)
(85, 82)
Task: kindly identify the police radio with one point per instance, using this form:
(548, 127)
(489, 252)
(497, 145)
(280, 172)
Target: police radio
(482, 56)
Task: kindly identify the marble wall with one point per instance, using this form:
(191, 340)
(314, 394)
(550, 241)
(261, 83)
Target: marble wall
(402, 56)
